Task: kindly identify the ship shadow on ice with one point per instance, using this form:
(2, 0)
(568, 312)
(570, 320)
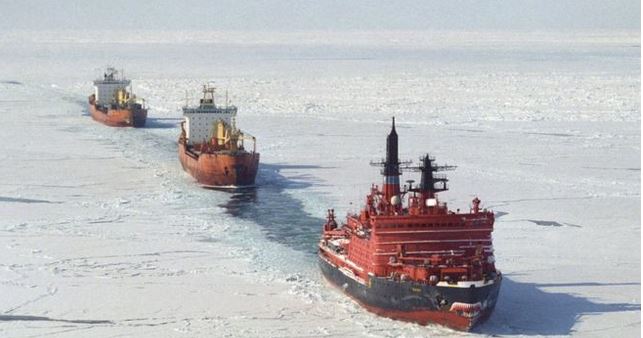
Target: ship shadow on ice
(162, 122)
(281, 217)
(527, 309)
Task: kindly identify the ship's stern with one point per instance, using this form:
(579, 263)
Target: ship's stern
(139, 117)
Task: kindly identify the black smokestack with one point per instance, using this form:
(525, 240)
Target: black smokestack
(392, 165)
(426, 180)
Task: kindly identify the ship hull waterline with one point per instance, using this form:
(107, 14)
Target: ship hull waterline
(220, 170)
(415, 302)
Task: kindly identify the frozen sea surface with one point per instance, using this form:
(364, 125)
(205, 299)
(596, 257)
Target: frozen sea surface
(102, 234)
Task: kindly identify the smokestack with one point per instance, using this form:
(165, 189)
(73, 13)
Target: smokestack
(391, 187)
(392, 165)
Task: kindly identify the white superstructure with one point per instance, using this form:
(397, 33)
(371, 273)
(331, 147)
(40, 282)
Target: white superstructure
(200, 121)
(106, 88)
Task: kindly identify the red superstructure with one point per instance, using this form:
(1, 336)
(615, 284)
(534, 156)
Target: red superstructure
(408, 257)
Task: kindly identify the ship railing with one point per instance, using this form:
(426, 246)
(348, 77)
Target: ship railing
(454, 258)
(433, 275)
(209, 110)
(249, 137)
(439, 176)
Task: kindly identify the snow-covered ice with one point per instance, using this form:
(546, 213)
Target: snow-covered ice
(103, 234)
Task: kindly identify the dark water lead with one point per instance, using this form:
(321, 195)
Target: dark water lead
(26, 200)
(282, 218)
(552, 223)
(48, 319)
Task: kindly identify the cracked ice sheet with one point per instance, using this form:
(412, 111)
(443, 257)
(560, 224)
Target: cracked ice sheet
(552, 139)
(123, 253)
(103, 262)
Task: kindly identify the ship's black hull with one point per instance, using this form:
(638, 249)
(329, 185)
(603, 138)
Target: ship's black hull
(417, 302)
(140, 117)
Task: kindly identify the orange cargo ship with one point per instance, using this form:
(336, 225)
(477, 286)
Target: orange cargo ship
(212, 149)
(416, 261)
(112, 105)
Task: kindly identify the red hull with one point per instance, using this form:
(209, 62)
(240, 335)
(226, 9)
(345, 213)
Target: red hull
(375, 295)
(448, 319)
(425, 317)
(118, 117)
(221, 168)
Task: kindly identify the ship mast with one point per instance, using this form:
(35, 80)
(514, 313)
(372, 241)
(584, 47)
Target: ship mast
(430, 182)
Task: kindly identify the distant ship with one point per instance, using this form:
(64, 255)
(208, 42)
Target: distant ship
(113, 105)
(415, 261)
(212, 149)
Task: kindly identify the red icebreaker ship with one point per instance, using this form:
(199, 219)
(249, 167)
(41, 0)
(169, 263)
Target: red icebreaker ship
(407, 256)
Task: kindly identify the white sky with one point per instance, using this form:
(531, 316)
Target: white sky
(321, 15)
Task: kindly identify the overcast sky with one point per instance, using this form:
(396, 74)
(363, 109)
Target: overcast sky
(321, 15)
